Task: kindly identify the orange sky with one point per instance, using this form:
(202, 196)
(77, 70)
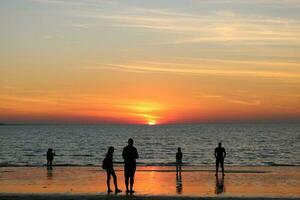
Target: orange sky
(143, 62)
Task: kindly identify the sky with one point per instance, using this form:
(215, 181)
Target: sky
(149, 62)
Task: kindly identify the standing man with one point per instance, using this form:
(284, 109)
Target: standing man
(178, 161)
(50, 156)
(220, 154)
(130, 155)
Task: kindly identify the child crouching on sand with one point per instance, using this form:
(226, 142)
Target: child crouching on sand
(107, 164)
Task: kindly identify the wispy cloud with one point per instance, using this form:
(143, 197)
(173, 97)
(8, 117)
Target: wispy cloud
(192, 69)
(211, 26)
(217, 26)
(243, 102)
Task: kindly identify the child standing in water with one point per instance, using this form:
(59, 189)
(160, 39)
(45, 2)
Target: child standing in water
(50, 156)
(108, 166)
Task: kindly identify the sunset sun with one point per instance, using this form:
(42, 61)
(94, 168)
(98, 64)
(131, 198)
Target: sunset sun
(151, 123)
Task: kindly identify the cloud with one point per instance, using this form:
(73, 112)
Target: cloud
(60, 2)
(213, 27)
(210, 96)
(193, 69)
(243, 102)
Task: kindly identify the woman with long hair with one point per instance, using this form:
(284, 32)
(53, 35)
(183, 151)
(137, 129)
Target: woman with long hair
(108, 166)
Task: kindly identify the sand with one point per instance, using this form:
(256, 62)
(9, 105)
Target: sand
(122, 197)
(152, 182)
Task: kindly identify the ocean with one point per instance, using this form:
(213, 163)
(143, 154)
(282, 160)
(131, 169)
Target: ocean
(252, 144)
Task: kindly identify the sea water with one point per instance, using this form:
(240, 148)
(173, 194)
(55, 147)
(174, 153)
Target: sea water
(246, 144)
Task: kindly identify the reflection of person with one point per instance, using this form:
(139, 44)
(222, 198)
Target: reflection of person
(220, 187)
(50, 156)
(220, 154)
(178, 161)
(108, 166)
(130, 155)
(49, 174)
(178, 184)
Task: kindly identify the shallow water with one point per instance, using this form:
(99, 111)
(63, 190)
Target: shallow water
(246, 144)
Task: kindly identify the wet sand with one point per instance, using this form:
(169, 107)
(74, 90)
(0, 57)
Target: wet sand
(151, 182)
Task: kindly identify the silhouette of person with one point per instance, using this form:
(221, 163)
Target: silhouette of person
(130, 155)
(178, 161)
(220, 186)
(220, 154)
(108, 166)
(50, 156)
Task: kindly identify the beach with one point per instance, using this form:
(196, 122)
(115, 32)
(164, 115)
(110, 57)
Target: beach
(152, 182)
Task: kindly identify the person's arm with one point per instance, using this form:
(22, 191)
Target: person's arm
(137, 155)
(215, 153)
(123, 154)
(224, 153)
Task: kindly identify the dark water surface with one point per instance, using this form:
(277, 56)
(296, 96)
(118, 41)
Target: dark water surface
(246, 144)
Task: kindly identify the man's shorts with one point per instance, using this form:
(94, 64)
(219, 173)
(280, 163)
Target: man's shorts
(220, 161)
(129, 170)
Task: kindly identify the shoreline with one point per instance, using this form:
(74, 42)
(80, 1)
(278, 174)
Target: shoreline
(150, 165)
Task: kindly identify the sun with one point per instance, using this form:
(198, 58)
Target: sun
(151, 123)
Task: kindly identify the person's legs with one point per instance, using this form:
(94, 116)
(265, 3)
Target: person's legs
(217, 166)
(131, 183)
(126, 175)
(132, 178)
(108, 181)
(115, 180)
(126, 183)
(222, 166)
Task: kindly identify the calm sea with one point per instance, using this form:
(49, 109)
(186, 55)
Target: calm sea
(246, 144)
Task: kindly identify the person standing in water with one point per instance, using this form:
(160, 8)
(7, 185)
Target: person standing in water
(178, 171)
(130, 155)
(50, 156)
(107, 164)
(220, 154)
(178, 161)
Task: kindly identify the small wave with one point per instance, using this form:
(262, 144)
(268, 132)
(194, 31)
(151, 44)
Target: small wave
(82, 155)
(30, 155)
(72, 165)
(161, 164)
(5, 164)
(278, 165)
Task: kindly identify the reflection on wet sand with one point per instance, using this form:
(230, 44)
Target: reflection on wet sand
(155, 180)
(178, 181)
(220, 185)
(49, 173)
